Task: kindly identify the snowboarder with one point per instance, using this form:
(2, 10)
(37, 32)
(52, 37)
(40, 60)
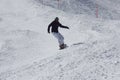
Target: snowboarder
(54, 25)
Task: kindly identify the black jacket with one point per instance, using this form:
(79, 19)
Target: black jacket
(55, 24)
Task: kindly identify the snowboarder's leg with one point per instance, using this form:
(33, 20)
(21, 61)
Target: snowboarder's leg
(60, 40)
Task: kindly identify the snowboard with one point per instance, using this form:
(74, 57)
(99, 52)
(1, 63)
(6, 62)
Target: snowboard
(74, 44)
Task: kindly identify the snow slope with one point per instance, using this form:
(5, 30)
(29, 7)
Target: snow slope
(107, 9)
(21, 35)
(27, 52)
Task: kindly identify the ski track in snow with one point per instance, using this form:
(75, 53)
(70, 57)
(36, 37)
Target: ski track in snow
(27, 52)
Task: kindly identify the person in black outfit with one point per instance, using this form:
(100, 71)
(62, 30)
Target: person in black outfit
(55, 25)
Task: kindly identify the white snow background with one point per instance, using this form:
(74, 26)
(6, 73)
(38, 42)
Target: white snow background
(28, 52)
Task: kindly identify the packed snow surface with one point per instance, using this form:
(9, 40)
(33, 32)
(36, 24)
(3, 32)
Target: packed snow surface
(28, 52)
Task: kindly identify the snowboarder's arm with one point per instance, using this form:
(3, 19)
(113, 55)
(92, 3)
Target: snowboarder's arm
(49, 27)
(63, 26)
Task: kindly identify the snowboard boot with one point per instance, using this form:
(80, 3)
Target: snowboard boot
(62, 46)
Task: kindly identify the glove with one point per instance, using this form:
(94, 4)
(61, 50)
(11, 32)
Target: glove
(67, 27)
(49, 32)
